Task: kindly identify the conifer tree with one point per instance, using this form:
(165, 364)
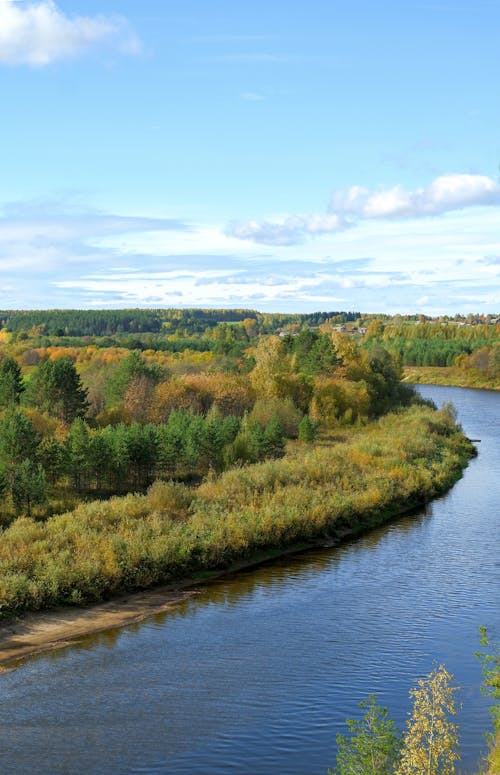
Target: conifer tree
(28, 486)
(11, 383)
(308, 429)
(55, 387)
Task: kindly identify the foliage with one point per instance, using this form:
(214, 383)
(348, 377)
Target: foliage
(308, 429)
(28, 486)
(489, 658)
(430, 743)
(372, 747)
(11, 383)
(55, 387)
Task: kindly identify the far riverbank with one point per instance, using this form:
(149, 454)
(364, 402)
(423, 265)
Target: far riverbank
(451, 376)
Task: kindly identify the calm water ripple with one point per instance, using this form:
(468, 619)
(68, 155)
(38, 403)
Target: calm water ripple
(256, 674)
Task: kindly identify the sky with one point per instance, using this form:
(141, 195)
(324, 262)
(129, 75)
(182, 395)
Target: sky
(279, 156)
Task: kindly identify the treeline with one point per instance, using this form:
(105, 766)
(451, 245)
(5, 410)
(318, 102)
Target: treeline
(430, 352)
(432, 343)
(100, 323)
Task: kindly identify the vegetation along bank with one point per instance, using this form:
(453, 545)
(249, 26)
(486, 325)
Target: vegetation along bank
(348, 480)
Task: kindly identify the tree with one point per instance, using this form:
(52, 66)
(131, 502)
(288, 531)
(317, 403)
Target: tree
(55, 387)
(274, 438)
(489, 658)
(78, 453)
(430, 743)
(29, 486)
(373, 745)
(131, 367)
(11, 382)
(308, 429)
(271, 365)
(18, 439)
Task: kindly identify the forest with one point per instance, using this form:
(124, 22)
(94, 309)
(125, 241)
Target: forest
(101, 403)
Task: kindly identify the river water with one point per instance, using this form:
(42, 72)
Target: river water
(255, 674)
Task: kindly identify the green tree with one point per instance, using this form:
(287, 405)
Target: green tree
(54, 458)
(130, 370)
(78, 453)
(274, 439)
(308, 429)
(18, 439)
(372, 747)
(489, 658)
(11, 382)
(430, 743)
(29, 486)
(55, 387)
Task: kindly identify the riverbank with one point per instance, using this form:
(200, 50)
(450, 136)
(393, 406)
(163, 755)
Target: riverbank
(347, 482)
(451, 376)
(35, 632)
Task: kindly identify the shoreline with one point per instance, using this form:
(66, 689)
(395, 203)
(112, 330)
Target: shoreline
(435, 376)
(36, 632)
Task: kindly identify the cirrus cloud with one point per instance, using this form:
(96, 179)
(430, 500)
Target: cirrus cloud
(38, 33)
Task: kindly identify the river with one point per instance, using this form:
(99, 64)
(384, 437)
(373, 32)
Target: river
(256, 673)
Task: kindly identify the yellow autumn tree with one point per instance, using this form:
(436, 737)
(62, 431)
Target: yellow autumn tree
(430, 743)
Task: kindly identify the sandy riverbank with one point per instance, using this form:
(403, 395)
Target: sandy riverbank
(33, 633)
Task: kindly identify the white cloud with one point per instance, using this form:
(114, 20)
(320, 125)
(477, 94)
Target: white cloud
(288, 231)
(37, 33)
(348, 207)
(444, 194)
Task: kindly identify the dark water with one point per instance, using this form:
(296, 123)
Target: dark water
(257, 673)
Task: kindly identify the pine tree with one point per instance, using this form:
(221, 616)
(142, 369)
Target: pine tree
(430, 743)
(308, 429)
(11, 383)
(55, 387)
(274, 439)
(28, 486)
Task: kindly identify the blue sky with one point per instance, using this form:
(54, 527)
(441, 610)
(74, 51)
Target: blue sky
(283, 156)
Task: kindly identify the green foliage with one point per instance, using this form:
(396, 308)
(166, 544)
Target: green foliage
(489, 658)
(308, 429)
(28, 486)
(130, 368)
(372, 747)
(283, 409)
(18, 439)
(314, 352)
(55, 387)
(11, 382)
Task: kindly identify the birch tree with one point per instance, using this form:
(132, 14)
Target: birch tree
(430, 743)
